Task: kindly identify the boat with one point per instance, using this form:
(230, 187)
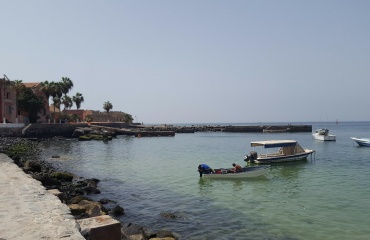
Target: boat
(323, 135)
(227, 173)
(364, 142)
(277, 151)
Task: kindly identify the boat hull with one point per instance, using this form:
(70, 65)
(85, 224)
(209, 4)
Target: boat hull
(324, 137)
(289, 158)
(249, 172)
(364, 142)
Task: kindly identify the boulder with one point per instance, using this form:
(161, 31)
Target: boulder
(32, 166)
(63, 176)
(91, 208)
(117, 211)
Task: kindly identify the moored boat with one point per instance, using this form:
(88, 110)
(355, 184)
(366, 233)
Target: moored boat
(364, 142)
(323, 135)
(283, 151)
(228, 173)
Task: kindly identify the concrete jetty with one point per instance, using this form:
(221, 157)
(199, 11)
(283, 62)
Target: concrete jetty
(28, 211)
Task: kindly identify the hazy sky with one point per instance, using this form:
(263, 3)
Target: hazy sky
(197, 61)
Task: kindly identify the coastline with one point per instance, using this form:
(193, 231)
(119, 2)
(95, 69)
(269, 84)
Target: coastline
(74, 197)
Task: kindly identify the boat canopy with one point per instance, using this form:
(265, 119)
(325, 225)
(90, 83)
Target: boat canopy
(274, 143)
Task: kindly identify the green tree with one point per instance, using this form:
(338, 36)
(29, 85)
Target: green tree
(28, 102)
(66, 85)
(78, 99)
(127, 118)
(107, 106)
(67, 102)
(56, 93)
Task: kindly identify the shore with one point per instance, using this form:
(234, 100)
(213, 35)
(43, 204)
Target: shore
(29, 211)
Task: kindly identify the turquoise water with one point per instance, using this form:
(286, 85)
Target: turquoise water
(326, 197)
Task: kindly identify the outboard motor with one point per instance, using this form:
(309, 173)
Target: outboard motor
(251, 158)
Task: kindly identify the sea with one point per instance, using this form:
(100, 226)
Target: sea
(326, 196)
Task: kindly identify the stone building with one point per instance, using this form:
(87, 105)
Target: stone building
(8, 101)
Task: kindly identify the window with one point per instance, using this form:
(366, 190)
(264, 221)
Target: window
(10, 109)
(7, 95)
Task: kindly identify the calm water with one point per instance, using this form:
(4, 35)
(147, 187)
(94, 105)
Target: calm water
(326, 197)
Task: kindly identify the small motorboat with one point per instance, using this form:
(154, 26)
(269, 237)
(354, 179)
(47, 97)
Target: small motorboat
(228, 173)
(323, 135)
(363, 142)
(282, 151)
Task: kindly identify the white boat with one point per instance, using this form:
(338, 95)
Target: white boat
(323, 135)
(227, 173)
(274, 151)
(365, 142)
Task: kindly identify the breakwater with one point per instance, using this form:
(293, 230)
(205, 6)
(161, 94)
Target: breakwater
(230, 128)
(37, 130)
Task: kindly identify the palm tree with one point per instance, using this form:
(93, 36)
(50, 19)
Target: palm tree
(107, 106)
(56, 93)
(66, 84)
(46, 89)
(78, 99)
(67, 102)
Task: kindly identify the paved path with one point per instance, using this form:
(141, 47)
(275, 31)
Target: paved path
(28, 211)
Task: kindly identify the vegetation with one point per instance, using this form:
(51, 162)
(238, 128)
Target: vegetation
(89, 118)
(78, 99)
(27, 101)
(20, 150)
(107, 106)
(58, 93)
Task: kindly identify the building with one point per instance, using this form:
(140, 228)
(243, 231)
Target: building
(8, 101)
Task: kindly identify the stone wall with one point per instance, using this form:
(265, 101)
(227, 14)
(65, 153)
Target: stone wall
(38, 130)
(11, 132)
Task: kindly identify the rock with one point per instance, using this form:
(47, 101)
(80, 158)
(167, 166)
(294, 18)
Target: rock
(46, 180)
(89, 190)
(91, 208)
(76, 199)
(168, 215)
(133, 231)
(63, 176)
(33, 166)
(165, 234)
(117, 211)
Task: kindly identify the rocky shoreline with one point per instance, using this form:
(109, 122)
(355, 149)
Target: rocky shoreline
(75, 190)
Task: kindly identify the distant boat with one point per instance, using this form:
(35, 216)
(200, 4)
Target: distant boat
(323, 135)
(364, 142)
(284, 151)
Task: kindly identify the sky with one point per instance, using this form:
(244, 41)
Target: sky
(197, 61)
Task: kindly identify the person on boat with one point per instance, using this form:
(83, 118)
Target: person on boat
(237, 168)
(205, 168)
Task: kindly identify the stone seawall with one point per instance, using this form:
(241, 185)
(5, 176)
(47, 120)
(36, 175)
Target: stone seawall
(39, 130)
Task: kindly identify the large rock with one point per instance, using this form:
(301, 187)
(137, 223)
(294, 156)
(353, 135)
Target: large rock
(33, 166)
(90, 208)
(63, 176)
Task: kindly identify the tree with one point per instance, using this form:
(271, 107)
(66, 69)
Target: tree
(67, 102)
(46, 89)
(56, 93)
(28, 102)
(128, 118)
(78, 99)
(107, 106)
(66, 85)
